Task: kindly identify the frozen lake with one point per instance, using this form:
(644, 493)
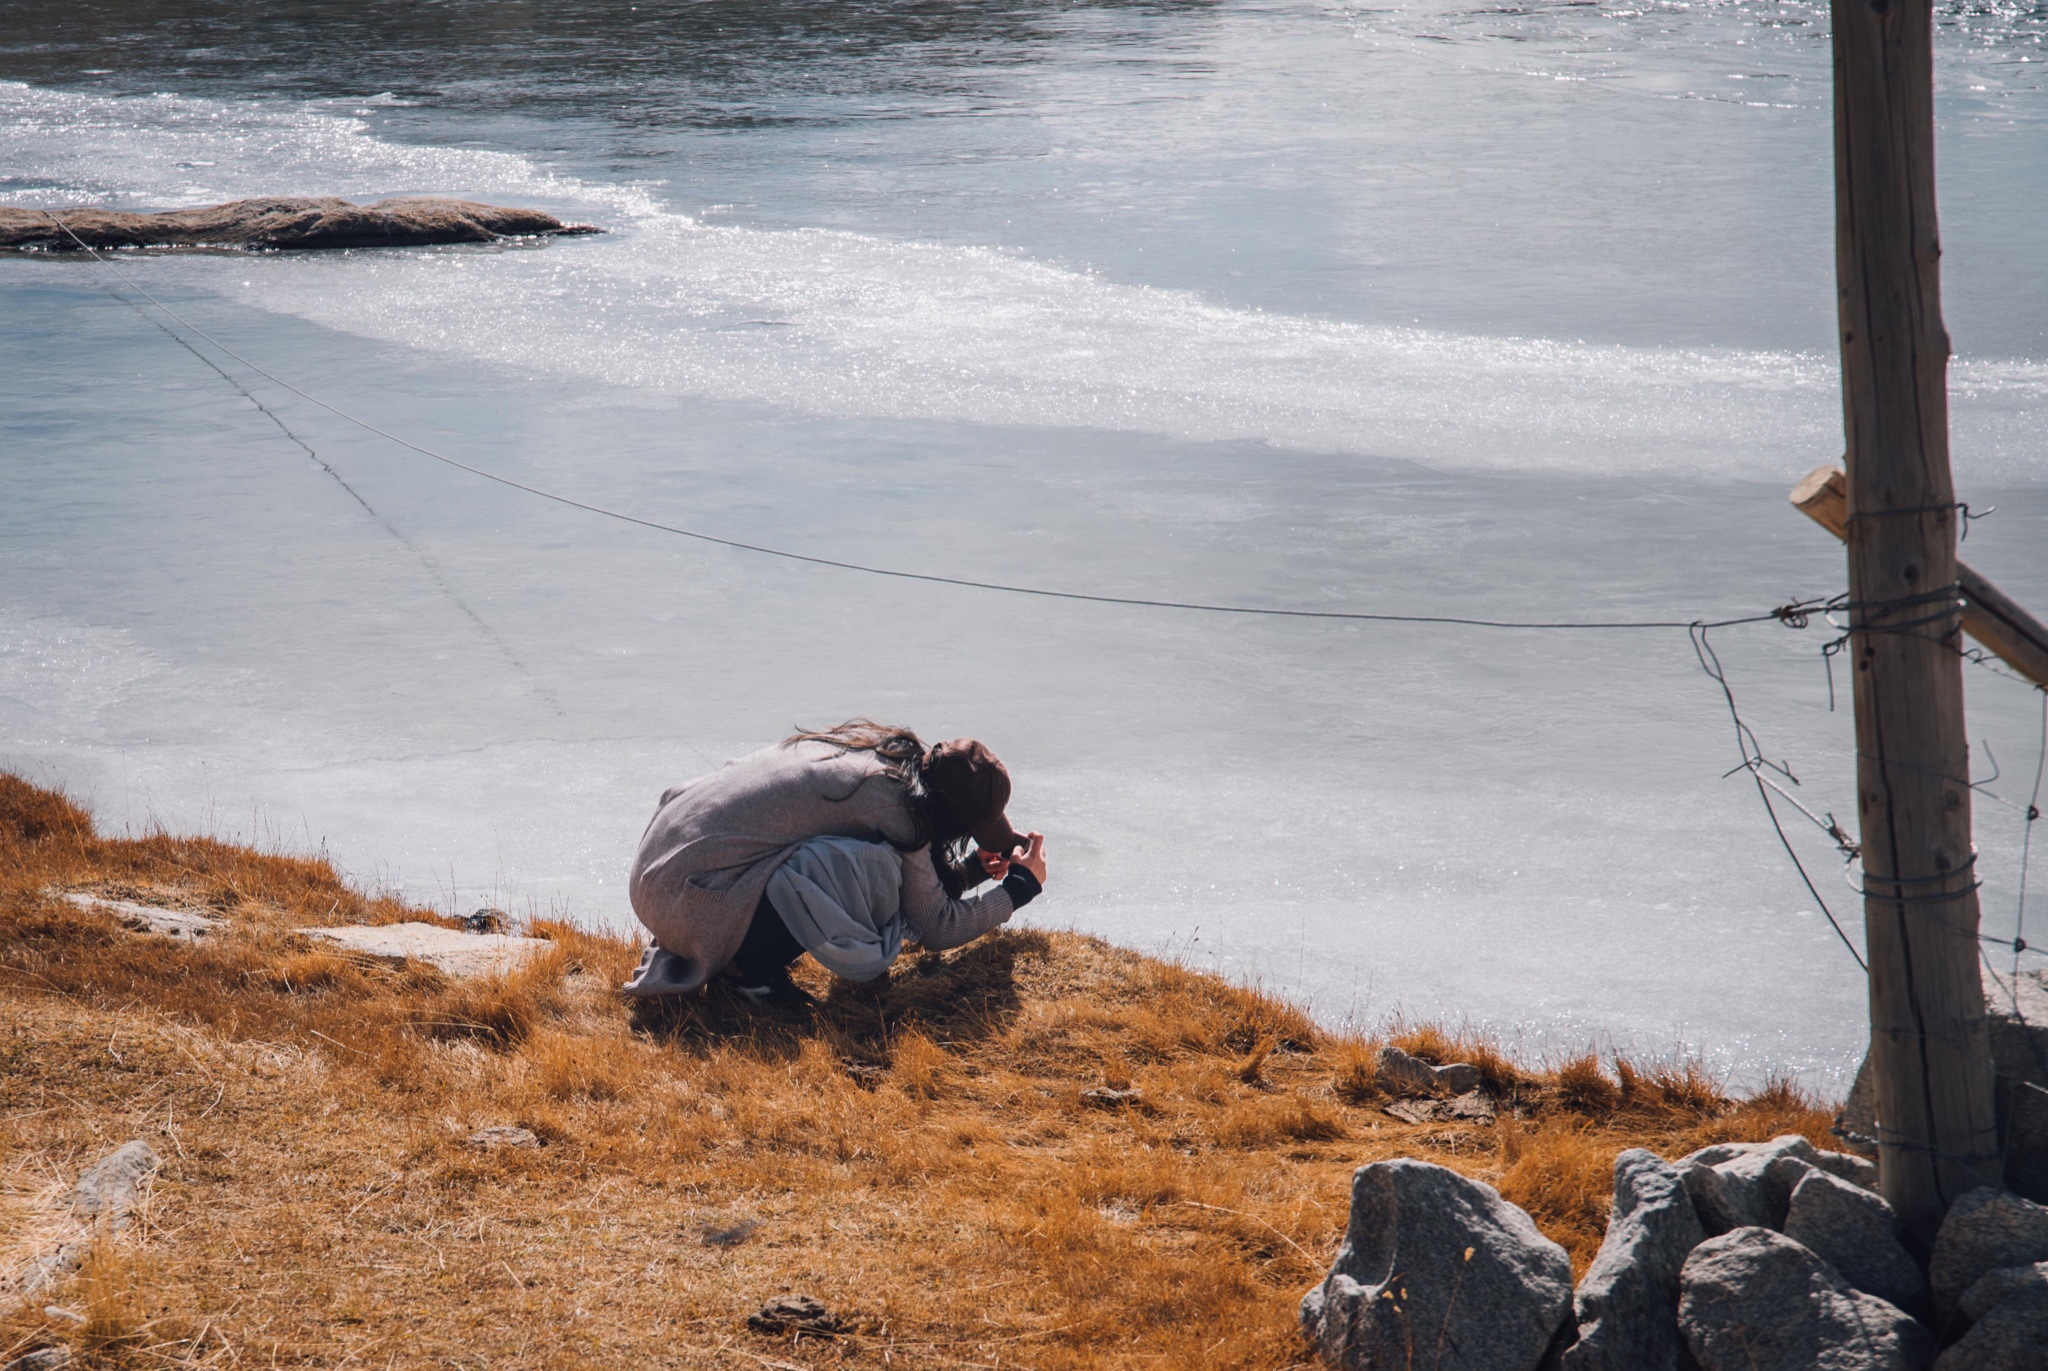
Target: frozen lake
(1522, 312)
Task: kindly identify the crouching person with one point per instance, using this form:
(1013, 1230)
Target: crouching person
(843, 844)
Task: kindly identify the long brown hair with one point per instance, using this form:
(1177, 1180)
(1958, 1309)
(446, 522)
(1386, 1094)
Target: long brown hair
(903, 754)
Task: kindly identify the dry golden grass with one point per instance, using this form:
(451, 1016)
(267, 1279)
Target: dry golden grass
(920, 1153)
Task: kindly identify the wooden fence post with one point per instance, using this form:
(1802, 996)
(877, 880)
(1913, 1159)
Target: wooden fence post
(1929, 1053)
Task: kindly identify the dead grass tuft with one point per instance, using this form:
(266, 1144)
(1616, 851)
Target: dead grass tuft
(920, 1152)
(1583, 1087)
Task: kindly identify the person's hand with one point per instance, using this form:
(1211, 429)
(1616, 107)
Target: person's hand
(1032, 855)
(994, 864)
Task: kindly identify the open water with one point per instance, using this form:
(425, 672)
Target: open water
(1504, 311)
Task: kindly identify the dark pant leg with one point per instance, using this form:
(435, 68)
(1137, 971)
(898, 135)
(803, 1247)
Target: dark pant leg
(768, 947)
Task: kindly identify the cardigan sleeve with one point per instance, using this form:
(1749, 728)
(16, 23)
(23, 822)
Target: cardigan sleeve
(940, 922)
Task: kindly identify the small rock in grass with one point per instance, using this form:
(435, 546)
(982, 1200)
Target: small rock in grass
(1628, 1303)
(504, 1135)
(1401, 1074)
(52, 1267)
(42, 1359)
(1433, 1260)
(799, 1313)
(1109, 1097)
(2010, 1332)
(1984, 1230)
(1855, 1232)
(1754, 1300)
(1458, 1077)
(112, 1186)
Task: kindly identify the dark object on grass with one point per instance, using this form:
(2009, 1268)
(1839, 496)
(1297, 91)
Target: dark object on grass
(283, 222)
(731, 1236)
(795, 1313)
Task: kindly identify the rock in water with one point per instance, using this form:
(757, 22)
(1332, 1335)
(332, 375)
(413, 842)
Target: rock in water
(1984, 1230)
(1855, 1232)
(285, 222)
(112, 1186)
(1628, 1303)
(1440, 1266)
(1754, 1300)
(2010, 1332)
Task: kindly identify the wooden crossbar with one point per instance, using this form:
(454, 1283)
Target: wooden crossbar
(1990, 616)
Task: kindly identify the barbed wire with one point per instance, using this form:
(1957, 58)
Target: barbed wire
(1760, 768)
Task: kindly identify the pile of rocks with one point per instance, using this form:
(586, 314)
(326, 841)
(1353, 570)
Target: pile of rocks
(1749, 1256)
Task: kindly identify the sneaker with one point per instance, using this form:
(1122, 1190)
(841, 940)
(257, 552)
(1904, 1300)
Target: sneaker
(776, 989)
(661, 973)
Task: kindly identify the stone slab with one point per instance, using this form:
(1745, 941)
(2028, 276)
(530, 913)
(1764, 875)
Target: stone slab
(188, 924)
(456, 953)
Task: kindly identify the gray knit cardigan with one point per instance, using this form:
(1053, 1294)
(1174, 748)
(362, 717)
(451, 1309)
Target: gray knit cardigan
(706, 857)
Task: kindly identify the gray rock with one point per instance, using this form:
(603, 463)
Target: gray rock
(1984, 1230)
(1993, 1286)
(112, 1186)
(1628, 1302)
(1754, 1300)
(42, 1359)
(2017, 1024)
(1855, 1232)
(2010, 1332)
(1849, 1167)
(1401, 1074)
(1746, 1185)
(1458, 1077)
(1776, 1168)
(1440, 1266)
(1723, 1202)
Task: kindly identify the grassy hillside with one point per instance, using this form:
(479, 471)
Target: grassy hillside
(921, 1154)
